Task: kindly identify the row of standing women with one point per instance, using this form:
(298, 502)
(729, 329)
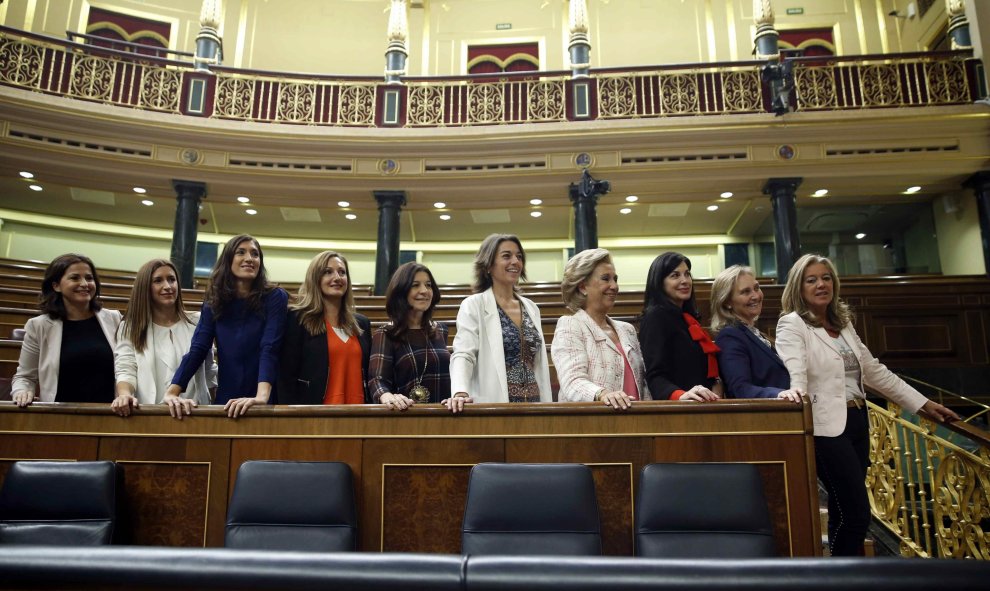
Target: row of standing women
(322, 351)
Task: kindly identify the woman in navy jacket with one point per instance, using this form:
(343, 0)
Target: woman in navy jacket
(747, 361)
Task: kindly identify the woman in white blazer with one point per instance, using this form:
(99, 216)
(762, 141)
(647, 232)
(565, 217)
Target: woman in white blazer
(598, 359)
(499, 353)
(827, 360)
(67, 353)
(155, 334)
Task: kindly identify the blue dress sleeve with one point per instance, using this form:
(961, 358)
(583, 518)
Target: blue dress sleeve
(202, 343)
(276, 308)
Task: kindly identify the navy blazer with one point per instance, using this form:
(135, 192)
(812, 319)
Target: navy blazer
(748, 367)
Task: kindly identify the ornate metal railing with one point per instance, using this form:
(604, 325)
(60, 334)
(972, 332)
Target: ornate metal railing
(930, 492)
(87, 72)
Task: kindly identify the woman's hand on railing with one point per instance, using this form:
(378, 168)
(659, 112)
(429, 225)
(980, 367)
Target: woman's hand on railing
(794, 395)
(938, 412)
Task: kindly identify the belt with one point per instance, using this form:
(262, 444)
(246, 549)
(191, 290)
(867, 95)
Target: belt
(856, 403)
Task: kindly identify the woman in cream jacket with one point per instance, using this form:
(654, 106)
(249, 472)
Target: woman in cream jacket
(152, 339)
(827, 360)
(597, 358)
(499, 353)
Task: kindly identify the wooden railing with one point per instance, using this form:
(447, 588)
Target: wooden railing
(88, 72)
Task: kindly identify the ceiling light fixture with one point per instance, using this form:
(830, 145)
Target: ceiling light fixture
(726, 194)
(243, 199)
(913, 189)
(147, 202)
(343, 204)
(632, 199)
(35, 187)
(439, 205)
(536, 202)
(625, 210)
(712, 208)
(251, 211)
(820, 193)
(26, 175)
(140, 190)
(445, 217)
(351, 216)
(860, 236)
(536, 214)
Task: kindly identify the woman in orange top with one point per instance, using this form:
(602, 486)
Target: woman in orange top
(326, 345)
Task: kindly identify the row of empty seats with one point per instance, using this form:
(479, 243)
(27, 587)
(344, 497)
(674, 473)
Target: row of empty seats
(682, 510)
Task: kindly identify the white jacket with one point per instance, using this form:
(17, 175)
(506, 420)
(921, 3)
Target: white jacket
(138, 369)
(816, 368)
(587, 360)
(477, 365)
(37, 368)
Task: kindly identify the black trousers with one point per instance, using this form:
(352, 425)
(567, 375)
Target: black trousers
(842, 463)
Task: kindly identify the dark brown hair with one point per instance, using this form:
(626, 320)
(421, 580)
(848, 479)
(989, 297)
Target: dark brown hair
(397, 303)
(50, 301)
(222, 289)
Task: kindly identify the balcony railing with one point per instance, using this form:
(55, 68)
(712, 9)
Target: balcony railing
(87, 72)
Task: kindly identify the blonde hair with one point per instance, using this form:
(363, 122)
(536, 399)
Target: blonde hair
(722, 289)
(137, 319)
(578, 269)
(485, 258)
(792, 300)
(309, 302)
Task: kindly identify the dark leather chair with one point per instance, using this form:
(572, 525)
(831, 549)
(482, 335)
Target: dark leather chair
(304, 506)
(59, 503)
(531, 509)
(702, 511)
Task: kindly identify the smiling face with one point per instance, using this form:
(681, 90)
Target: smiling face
(164, 288)
(601, 288)
(77, 286)
(816, 288)
(746, 301)
(247, 261)
(334, 281)
(420, 294)
(678, 284)
(508, 265)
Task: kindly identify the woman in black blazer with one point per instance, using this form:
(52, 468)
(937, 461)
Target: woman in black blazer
(679, 355)
(321, 363)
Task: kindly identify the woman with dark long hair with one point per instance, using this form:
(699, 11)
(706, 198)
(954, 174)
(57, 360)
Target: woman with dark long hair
(409, 358)
(154, 336)
(679, 354)
(327, 343)
(67, 353)
(245, 315)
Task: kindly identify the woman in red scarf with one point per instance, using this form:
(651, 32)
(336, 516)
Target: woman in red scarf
(679, 354)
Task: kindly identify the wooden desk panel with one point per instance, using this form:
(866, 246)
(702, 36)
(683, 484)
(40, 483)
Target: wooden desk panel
(411, 469)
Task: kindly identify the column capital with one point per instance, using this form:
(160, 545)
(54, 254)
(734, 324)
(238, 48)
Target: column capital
(978, 182)
(776, 185)
(189, 189)
(389, 198)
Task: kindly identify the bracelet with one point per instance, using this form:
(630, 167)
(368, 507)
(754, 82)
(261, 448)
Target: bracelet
(599, 395)
(460, 395)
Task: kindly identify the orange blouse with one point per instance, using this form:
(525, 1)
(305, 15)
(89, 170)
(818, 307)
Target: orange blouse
(345, 384)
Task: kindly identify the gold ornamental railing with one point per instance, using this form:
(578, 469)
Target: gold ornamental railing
(82, 71)
(932, 493)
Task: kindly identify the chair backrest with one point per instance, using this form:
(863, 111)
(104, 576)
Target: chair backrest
(702, 511)
(59, 503)
(531, 509)
(304, 506)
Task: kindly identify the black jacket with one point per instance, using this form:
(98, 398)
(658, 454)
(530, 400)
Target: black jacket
(674, 361)
(305, 362)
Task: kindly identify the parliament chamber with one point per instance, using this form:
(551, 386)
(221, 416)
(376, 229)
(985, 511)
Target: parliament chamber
(131, 130)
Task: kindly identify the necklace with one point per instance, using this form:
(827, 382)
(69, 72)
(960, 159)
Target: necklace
(419, 393)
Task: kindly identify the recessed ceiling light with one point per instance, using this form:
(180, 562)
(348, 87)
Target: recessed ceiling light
(35, 187)
(820, 193)
(536, 214)
(147, 202)
(632, 198)
(439, 205)
(726, 194)
(445, 217)
(140, 190)
(860, 236)
(913, 189)
(536, 202)
(243, 199)
(343, 204)
(712, 208)
(351, 216)
(251, 211)
(26, 175)
(625, 210)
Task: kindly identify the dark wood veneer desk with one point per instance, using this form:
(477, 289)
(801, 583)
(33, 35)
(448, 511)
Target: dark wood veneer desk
(411, 468)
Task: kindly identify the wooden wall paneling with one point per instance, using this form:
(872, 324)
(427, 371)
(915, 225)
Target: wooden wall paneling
(15, 447)
(414, 491)
(792, 494)
(899, 338)
(615, 463)
(977, 327)
(176, 488)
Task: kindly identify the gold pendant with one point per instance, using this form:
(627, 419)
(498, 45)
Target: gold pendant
(420, 394)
